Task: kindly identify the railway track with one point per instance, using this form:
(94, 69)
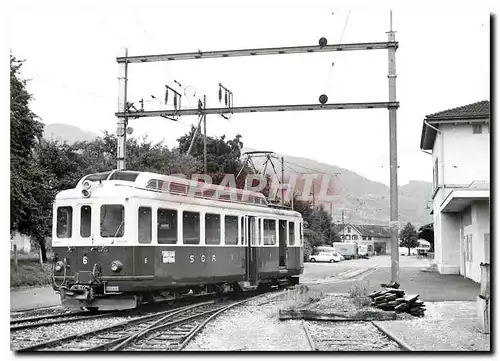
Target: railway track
(351, 336)
(160, 331)
(46, 320)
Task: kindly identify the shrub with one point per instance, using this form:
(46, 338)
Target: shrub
(30, 274)
(300, 297)
(359, 293)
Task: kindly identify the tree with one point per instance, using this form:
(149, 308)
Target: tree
(409, 237)
(427, 232)
(25, 131)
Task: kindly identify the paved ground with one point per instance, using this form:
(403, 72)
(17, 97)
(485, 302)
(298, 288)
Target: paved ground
(35, 297)
(450, 322)
(431, 286)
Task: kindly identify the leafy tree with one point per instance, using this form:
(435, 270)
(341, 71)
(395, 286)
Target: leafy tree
(25, 131)
(427, 232)
(223, 156)
(409, 237)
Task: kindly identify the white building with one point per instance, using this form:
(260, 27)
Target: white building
(459, 141)
(376, 238)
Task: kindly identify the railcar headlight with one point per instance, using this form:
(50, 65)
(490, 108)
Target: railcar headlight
(87, 185)
(59, 266)
(86, 193)
(116, 266)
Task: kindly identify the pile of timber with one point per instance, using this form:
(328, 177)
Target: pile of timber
(391, 298)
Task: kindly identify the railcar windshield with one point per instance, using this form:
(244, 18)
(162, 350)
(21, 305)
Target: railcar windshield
(64, 222)
(112, 220)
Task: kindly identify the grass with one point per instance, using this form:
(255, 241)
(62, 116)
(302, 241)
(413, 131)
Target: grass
(300, 297)
(359, 292)
(30, 274)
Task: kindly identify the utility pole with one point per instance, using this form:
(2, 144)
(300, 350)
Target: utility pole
(314, 198)
(282, 180)
(205, 134)
(121, 131)
(393, 156)
(343, 226)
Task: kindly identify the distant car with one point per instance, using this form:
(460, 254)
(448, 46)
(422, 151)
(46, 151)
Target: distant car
(326, 257)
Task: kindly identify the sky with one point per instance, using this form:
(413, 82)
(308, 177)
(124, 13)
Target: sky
(442, 62)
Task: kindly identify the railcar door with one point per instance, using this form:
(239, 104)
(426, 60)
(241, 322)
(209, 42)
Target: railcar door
(283, 249)
(250, 226)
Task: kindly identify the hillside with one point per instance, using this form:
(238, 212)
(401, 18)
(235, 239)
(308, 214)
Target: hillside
(66, 133)
(361, 199)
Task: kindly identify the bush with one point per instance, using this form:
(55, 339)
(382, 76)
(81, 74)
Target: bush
(300, 297)
(30, 274)
(359, 293)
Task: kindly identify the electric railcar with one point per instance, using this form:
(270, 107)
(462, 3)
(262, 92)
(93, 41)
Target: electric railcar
(122, 238)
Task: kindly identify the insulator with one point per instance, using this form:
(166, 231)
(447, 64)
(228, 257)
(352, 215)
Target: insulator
(322, 42)
(323, 98)
(175, 102)
(220, 94)
(166, 95)
(225, 97)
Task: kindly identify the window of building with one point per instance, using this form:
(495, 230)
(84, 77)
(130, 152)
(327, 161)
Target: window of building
(354, 237)
(348, 229)
(348, 237)
(145, 225)
(191, 227)
(85, 221)
(231, 230)
(212, 228)
(64, 222)
(112, 220)
(467, 216)
(291, 233)
(477, 128)
(167, 226)
(269, 232)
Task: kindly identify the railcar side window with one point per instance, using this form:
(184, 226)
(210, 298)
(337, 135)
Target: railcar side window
(259, 231)
(212, 228)
(167, 226)
(242, 230)
(231, 230)
(191, 227)
(301, 234)
(291, 233)
(112, 220)
(85, 221)
(145, 225)
(269, 232)
(64, 222)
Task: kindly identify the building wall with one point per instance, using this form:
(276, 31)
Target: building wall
(463, 157)
(477, 230)
(447, 238)
(22, 242)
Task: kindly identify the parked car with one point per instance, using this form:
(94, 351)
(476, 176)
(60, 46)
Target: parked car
(326, 257)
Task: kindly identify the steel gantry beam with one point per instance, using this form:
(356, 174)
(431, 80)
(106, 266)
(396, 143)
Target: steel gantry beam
(257, 109)
(251, 52)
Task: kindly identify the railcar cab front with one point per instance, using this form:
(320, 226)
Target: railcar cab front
(91, 241)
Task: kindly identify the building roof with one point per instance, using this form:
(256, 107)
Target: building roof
(479, 111)
(371, 230)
